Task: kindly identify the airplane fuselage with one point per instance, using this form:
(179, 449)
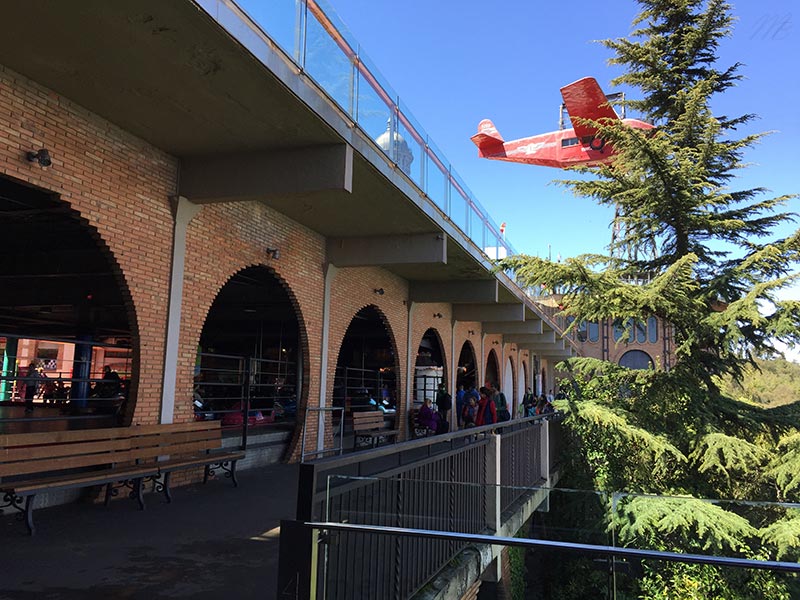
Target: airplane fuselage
(560, 149)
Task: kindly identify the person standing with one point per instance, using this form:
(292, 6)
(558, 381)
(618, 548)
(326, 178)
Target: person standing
(460, 403)
(487, 414)
(32, 379)
(444, 402)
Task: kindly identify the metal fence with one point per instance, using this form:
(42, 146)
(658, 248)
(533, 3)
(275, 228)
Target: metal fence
(447, 482)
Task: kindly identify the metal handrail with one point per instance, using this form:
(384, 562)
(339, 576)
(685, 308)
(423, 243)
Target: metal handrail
(612, 551)
(318, 409)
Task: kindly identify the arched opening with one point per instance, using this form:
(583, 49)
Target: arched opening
(522, 382)
(250, 356)
(68, 334)
(366, 369)
(429, 367)
(492, 377)
(467, 369)
(508, 386)
(636, 359)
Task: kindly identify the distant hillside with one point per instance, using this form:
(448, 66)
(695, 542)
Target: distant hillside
(776, 384)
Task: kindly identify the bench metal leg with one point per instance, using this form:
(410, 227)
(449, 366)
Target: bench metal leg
(137, 488)
(206, 473)
(29, 514)
(167, 492)
(109, 493)
(233, 474)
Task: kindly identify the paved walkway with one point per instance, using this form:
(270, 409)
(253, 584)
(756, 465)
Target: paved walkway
(213, 541)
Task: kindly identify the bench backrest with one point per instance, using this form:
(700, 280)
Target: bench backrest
(372, 419)
(148, 442)
(30, 453)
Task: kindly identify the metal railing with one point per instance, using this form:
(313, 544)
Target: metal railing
(312, 36)
(311, 410)
(447, 482)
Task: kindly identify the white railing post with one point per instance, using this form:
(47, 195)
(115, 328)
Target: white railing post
(494, 571)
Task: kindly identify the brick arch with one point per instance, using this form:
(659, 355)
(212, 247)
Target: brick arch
(62, 229)
(387, 327)
(510, 391)
(438, 337)
(491, 358)
(471, 347)
(130, 310)
(302, 330)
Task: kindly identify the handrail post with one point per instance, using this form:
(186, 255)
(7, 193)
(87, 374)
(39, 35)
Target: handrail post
(544, 452)
(493, 504)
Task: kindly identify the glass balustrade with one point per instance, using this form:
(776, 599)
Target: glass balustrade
(311, 34)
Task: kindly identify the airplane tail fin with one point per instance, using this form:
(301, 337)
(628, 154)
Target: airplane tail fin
(488, 139)
(585, 99)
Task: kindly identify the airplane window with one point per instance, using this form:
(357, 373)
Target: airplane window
(566, 142)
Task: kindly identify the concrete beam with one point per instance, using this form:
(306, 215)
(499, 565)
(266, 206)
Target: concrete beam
(533, 326)
(548, 337)
(454, 292)
(489, 312)
(262, 175)
(424, 248)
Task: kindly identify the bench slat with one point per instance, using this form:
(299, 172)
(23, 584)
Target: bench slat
(13, 440)
(58, 450)
(63, 463)
(92, 478)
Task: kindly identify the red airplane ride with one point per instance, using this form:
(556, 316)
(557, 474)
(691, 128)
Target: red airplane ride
(566, 147)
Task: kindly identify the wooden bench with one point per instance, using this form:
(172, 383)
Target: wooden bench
(368, 429)
(33, 463)
(181, 446)
(418, 430)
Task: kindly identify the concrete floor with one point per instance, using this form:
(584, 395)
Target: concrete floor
(213, 541)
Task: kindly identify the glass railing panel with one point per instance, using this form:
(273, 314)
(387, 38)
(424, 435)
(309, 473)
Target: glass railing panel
(325, 8)
(651, 578)
(477, 231)
(436, 174)
(329, 62)
(280, 19)
(733, 528)
(459, 208)
(373, 110)
(414, 136)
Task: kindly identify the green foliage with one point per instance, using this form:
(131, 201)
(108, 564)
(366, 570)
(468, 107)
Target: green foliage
(784, 536)
(703, 257)
(785, 468)
(516, 559)
(771, 382)
(687, 524)
(730, 460)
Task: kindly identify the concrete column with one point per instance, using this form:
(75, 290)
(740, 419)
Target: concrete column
(453, 374)
(183, 211)
(81, 370)
(411, 355)
(494, 571)
(330, 274)
(544, 451)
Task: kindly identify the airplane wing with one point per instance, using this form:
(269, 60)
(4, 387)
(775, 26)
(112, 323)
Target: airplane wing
(585, 99)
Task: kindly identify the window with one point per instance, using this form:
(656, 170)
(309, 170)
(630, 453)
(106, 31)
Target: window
(594, 331)
(652, 330)
(582, 332)
(567, 142)
(619, 330)
(636, 359)
(641, 331)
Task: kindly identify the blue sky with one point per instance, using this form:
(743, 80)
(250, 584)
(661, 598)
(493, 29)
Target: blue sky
(454, 63)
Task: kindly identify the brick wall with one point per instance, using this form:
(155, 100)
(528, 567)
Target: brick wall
(222, 240)
(120, 185)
